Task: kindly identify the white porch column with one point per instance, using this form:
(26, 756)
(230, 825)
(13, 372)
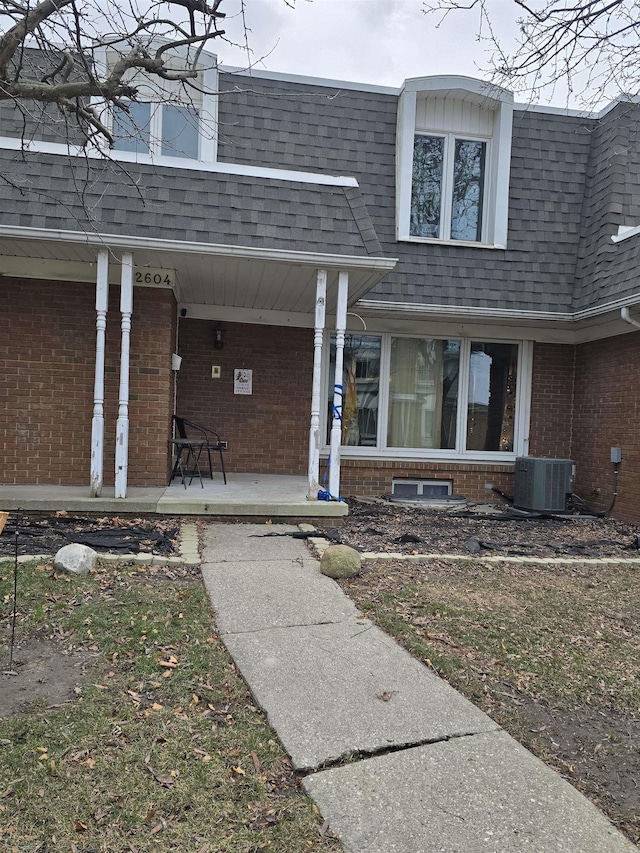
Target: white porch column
(314, 431)
(97, 422)
(122, 426)
(338, 391)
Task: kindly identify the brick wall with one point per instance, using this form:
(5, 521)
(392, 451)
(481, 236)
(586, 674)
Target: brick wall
(47, 358)
(552, 388)
(607, 415)
(362, 477)
(268, 432)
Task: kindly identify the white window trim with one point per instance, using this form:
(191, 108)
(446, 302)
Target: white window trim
(382, 452)
(207, 119)
(497, 163)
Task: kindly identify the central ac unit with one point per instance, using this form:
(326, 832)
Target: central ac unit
(542, 485)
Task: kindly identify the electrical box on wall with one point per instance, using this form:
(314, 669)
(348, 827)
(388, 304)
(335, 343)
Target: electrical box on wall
(216, 371)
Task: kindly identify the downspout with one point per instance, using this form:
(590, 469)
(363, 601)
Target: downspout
(624, 313)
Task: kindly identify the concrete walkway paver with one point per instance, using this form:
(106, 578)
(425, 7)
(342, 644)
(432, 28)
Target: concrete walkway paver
(332, 690)
(482, 793)
(441, 777)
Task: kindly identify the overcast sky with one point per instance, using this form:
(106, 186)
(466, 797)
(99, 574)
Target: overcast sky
(370, 41)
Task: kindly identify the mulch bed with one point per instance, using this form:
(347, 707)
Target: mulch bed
(381, 526)
(39, 534)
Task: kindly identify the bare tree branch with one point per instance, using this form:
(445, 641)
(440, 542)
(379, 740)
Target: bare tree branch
(594, 43)
(53, 52)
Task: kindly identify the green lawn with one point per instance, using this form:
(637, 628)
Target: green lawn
(162, 749)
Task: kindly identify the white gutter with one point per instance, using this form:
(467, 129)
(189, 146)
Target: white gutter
(624, 313)
(115, 241)
(475, 312)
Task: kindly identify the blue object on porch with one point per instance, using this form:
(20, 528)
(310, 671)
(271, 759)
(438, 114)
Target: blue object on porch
(324, 494)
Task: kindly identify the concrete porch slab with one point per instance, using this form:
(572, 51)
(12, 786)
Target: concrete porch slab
(274, 594)
(480, 793)
(245, 495)
(257, 495)
(49, 498)
(334, 689)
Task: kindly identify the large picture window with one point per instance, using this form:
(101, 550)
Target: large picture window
(423, 387)
(360, 390)
(441, 396)
(447, 192)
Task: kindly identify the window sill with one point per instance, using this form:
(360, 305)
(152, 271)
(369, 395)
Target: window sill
(434, 241)
(416, 455)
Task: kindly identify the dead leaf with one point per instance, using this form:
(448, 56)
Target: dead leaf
(158, 828)
(79, 826)
(324, 828)
(256, 762)
(385, 695)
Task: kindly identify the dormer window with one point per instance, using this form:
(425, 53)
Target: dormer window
(453, 157)
(447, 191)
(171, 130)
(169, 118)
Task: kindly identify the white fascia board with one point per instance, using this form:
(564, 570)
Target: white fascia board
(117, 241)
(458, 311)
(501, 157)
(557, 111)
(309, 81)
(209, 132)
(625, 232)
(238, 169)
(613, 104)
(405, 131)
(450, 82)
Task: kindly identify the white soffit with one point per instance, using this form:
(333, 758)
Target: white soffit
(248, 281)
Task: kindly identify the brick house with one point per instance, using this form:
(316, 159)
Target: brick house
(469, 261)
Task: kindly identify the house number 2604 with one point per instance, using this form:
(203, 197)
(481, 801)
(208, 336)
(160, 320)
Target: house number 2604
(157, 277)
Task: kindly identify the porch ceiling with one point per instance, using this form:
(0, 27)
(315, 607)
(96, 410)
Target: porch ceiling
(206, 275)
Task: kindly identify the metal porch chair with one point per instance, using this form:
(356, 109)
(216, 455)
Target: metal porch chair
(205, 440)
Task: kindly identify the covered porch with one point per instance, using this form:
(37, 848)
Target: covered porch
(209, 284)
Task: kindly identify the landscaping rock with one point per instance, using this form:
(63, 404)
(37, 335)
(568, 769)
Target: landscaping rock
(340, 561)
(75, 559)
